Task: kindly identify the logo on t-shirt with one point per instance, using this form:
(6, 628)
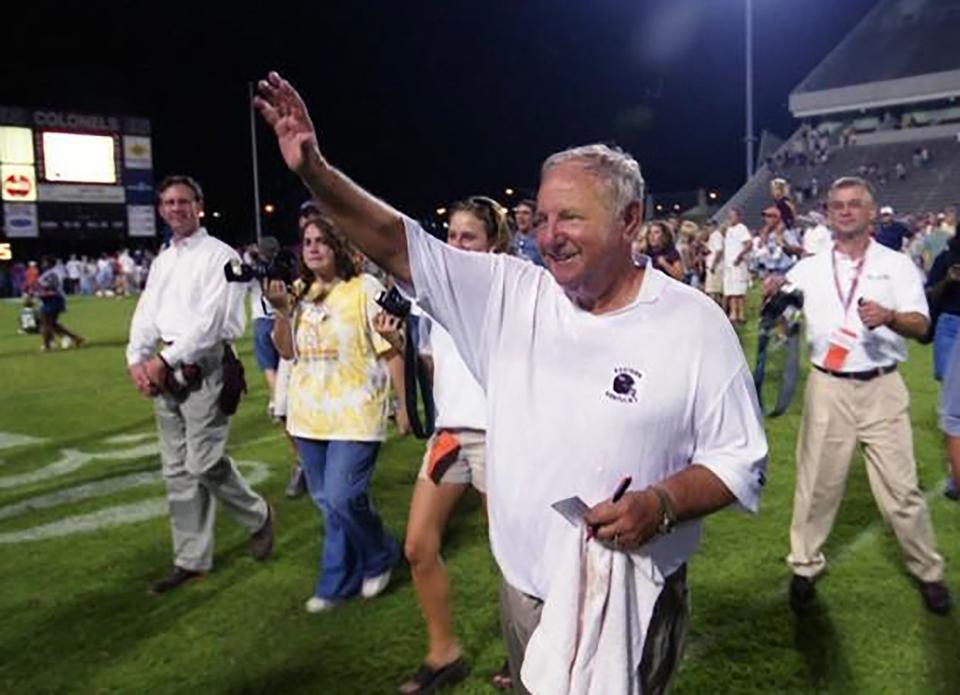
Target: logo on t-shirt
(624, 386)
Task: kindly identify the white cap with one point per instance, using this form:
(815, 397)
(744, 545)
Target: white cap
(886, 210)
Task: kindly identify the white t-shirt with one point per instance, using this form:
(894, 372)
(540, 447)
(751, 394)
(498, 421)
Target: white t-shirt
(73, 269)
(457, 395)
(733, 243)
(714, 246)
(126, 263)
(259, 306)
(888, 278)
(577, 401)
(817, 239)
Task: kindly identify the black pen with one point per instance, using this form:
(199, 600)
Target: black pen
(621, 489)
(617, 495)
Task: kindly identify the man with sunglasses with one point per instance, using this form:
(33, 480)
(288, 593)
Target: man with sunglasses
(861, 300)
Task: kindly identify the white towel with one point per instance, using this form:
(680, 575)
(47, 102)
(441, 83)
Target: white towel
(594, 621)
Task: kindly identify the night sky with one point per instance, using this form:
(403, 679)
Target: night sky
(426, 102)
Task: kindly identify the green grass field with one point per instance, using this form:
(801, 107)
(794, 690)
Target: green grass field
(76, 616)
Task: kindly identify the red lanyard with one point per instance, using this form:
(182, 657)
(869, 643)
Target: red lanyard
(845, 302)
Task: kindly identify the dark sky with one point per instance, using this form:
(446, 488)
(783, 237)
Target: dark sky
(426, 102)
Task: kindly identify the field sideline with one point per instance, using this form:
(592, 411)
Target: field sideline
(83, 529)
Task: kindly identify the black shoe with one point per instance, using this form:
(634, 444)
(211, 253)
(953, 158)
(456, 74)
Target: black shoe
(802, 592)
(297, 485)
(261, 542)
(428, 680)
(951, 490)
(936, 597)
(177, 577)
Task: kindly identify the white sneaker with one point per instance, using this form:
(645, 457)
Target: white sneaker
(315, 604)
(374, 586)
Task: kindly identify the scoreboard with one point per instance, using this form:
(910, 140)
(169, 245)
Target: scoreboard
(74, 175)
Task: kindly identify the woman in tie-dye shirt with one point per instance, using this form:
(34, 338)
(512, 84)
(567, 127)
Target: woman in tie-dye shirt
(337, 408)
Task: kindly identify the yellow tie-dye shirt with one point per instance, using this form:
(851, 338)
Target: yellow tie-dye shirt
(339, 385)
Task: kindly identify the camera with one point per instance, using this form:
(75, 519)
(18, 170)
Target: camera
(394, 303)
(777, 305)
(283, 267)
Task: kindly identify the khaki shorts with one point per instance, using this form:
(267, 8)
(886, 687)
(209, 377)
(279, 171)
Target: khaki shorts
(470, 467)
(714, 283)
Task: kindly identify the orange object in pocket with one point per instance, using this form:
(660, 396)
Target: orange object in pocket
(443, 454)
(841, 342)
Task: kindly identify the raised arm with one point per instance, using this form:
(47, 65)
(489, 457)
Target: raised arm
(375, 227)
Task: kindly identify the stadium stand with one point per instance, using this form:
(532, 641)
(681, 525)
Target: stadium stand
(886, 93)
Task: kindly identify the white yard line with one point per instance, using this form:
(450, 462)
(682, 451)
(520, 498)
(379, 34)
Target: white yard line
(255, 472)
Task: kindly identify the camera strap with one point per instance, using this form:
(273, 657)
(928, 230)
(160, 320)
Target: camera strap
(789, 373)
(414, 375)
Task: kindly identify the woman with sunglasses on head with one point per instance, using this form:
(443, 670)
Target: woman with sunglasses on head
(778, 247)
(455, 455)
(780, 192)
(337, 408)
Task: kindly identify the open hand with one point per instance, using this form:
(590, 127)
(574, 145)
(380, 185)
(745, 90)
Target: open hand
(283, 109)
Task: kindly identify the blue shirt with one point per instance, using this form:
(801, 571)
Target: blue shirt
(525, 247)
(891, 235)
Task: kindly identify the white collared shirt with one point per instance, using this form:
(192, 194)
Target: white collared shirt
(187, 302)
(577, 401)
(888, 278)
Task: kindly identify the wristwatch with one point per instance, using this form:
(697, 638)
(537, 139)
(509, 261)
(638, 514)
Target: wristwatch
(668, 517)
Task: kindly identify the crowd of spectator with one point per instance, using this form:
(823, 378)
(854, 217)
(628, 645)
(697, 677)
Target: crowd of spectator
(119, 273)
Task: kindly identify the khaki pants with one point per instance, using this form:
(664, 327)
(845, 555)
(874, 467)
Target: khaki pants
(837, 414)
(662, 649)
(193, 438)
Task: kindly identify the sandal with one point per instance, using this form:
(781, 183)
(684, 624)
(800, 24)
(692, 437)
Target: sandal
(428, 680)
(502, 680)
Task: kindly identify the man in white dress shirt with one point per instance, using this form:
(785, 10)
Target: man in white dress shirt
(579, 365)
(179, 337)
(861, 300)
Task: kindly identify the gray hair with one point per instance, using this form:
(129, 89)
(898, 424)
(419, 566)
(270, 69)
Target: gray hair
(853, 182)
(618, 170)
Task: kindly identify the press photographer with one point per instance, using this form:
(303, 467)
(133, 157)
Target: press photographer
(264, 262)
(180, 355)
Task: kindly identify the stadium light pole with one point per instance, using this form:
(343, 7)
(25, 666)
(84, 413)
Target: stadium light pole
(256, 173)
(749, 139)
